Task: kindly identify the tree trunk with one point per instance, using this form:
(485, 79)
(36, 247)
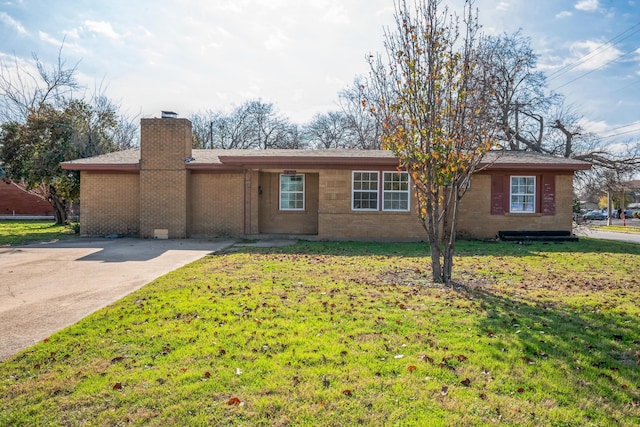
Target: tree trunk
(436, 266)
(450, 233)
(59, 207)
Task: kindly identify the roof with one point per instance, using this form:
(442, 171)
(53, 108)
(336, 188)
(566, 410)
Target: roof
(129, 160)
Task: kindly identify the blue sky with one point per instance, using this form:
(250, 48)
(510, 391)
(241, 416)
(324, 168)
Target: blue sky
(192, 55)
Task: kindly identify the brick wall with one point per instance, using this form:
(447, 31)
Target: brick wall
(164, 204)
(475, 219)
(110, 203)
(338, 222)
(217, 201)
(274, 221)
(14, 201)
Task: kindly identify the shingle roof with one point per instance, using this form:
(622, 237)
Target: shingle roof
(215, 159)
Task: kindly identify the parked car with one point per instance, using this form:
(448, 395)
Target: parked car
(593, 215)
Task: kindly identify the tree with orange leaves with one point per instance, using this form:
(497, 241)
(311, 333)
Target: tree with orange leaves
(435, 113)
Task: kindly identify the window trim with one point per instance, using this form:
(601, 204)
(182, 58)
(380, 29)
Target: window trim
(407, 191)
(376, 191)
(280, 192)
(533, 194)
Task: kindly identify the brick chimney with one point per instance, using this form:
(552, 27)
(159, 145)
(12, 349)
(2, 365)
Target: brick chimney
(165, 145)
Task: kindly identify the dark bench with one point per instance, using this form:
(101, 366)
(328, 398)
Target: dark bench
(540, 236)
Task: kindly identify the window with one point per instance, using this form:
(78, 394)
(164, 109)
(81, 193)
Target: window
(291, 192)
(523, 191)
(365, 191)
(395, 191)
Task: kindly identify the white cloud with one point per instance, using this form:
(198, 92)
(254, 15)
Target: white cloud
(49, 39)
(592, 55)
(587, 5)
(102, 28)
(9, 21)
(277, 40)
(336, 14)
(564, 14)
(72, 34)
(503, 6)
(596, 127)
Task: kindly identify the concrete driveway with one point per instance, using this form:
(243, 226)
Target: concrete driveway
(46, 287)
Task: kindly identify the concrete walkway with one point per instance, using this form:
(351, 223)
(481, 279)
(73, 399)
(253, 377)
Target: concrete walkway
(46, 287)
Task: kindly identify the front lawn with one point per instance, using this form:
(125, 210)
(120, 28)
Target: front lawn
(14, 233)
(345, 334)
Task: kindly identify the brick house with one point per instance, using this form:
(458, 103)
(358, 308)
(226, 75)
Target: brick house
(168, 189)
(16, 202)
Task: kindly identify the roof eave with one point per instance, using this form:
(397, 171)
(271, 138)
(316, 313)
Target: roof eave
(533, 166)
(128, 167)
(292, 161)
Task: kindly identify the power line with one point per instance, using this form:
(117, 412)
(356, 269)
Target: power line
(594, 70)
(593, 53)
(626, 87)
(622, 127)
(621, 133)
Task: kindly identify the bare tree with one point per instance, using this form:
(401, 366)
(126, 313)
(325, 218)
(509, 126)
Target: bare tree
(23, 88)
(533, 118)
(520, 100)
(327, 130)
(364, 130)
(435, 114)
(254, 124)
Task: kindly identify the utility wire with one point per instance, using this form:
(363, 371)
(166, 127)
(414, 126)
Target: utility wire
(593, 53)
(621, 133)
(594, 70)
(622, 127)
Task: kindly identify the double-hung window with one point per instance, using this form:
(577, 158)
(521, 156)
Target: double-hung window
(368, 187)
(291, 192)
(395, 191)
(365, 191)
(523, 194)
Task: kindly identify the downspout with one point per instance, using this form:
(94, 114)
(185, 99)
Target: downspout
(247, 202)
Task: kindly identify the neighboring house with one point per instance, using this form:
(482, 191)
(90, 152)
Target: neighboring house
(15, 201)
(166, 189)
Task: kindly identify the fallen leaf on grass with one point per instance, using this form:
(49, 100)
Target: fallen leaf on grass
(466, 382)
(117, 386)
(347, 392)
(234, 401)
(411, 368)
(520, 390)
(207, 374)
(445, 390)
(483, 396)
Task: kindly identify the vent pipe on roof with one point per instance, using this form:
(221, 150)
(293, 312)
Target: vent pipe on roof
(169, 115)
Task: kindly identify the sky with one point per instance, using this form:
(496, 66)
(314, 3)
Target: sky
(190, 56)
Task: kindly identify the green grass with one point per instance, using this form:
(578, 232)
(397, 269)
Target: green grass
(14, 233)
(620, 228)
(338, 334)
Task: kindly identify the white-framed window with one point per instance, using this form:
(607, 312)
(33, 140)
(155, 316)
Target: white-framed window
(364, 195)
(291, 192)
(395, 191)
(523, 194)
